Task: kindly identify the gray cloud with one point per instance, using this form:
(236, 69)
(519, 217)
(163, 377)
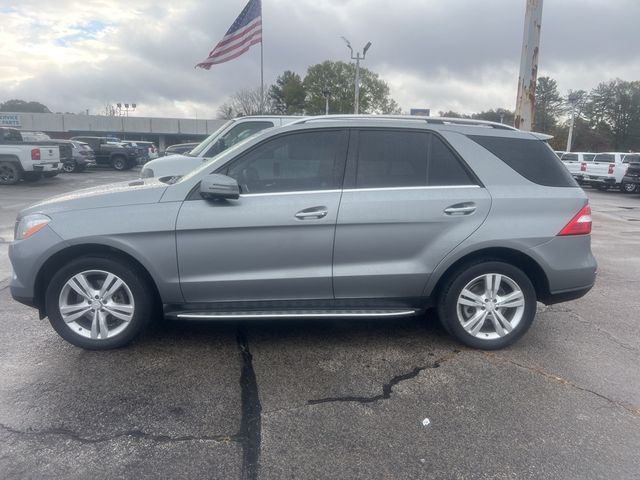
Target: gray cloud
(460, 55)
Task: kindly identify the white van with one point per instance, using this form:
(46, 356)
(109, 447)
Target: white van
(226, 136)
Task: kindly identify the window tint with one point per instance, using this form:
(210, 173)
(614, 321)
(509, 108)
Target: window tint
(392, 159)
(631, 158)
(236, 134)
(570, 157)
(291, 163)
(444, 167)
(406, 159)
(533, 159)
(588, 157)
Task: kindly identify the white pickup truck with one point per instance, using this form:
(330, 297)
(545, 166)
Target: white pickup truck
(575, 163)
(607, 169)
(20, 160)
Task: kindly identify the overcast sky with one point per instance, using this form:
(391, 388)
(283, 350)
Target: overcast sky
(461, 55)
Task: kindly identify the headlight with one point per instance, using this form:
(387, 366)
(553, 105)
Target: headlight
(146, 173)
(30, 225)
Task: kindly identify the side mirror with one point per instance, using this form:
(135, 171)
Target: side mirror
(216, 186)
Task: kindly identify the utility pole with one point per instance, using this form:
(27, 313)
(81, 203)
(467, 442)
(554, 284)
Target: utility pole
(525, 103)
(357, 58)
(573, 117)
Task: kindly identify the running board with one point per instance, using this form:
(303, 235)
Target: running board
(255, 314)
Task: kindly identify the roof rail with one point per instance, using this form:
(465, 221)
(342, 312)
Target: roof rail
(429, 120)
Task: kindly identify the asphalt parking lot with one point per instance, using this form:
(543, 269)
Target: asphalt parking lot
(393, 399)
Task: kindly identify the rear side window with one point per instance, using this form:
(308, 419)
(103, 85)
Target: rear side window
(392, 159)
(397, 158)
(570, 157)
(444, 168)
(604, 158)
(533, 159)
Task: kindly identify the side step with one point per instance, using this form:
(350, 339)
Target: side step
(255, 314)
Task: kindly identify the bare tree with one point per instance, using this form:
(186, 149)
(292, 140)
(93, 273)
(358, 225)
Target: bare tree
(245, 102)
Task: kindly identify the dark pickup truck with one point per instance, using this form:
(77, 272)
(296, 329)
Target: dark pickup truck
(110, 153)
(631, 180)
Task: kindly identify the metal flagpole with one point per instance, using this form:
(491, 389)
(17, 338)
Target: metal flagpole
(261, 76)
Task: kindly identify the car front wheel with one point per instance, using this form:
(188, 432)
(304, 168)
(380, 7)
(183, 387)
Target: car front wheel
(487, 305)
(119, 163)
(98, 303)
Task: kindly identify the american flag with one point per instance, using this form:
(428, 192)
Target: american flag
(244, 32)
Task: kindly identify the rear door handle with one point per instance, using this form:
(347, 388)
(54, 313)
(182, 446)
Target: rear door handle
(312, 213)
(466, 208)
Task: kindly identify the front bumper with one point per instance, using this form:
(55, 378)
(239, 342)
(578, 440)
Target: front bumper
(27, 258)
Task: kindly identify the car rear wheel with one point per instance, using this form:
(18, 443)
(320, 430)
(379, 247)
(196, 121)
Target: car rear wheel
(487, 305)
(119, 163)
(628, 187)
(98, 303)
(9, 173)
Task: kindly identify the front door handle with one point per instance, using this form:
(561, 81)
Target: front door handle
(312, 213)
(466, 208)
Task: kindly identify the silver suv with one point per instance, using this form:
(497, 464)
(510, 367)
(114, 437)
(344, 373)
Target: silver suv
(328, 217)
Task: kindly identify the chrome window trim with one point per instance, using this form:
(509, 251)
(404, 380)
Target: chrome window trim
(431, 187)
(376, 189)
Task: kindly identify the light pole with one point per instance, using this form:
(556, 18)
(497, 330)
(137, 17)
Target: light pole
(327, 93)
(357, 58)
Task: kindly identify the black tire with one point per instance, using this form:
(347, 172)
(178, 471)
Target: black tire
(134, 279)
(458, 280)
(9, 173)
(628, 187)
(119, 163)
(70, 167)
(32, 176)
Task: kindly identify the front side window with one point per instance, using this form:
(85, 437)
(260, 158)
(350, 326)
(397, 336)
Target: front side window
(291, 163)
(235, 135)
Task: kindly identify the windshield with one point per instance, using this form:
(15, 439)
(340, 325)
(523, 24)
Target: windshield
(207, 141)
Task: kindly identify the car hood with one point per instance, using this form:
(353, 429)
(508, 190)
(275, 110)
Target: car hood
(114, 195)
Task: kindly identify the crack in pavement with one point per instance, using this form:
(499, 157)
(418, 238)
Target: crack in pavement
(633, 410)
(387, 388)
(579, 318)
(250, 434)
(136, 434)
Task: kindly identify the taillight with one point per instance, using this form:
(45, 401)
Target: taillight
(583, 167)
(580, 224)
(35, 154)
(611, 167)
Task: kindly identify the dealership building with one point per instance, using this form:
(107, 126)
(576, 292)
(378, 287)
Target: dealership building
(162, 131)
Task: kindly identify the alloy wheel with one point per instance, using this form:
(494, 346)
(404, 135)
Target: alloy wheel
(490, 306)
(96, 304)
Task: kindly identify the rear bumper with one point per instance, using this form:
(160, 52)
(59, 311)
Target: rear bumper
(628, 179)
(569, 266)
(46, 167)
(599, 180)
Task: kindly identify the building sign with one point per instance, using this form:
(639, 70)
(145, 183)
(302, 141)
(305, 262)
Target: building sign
(9, 120)
(425, 112)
